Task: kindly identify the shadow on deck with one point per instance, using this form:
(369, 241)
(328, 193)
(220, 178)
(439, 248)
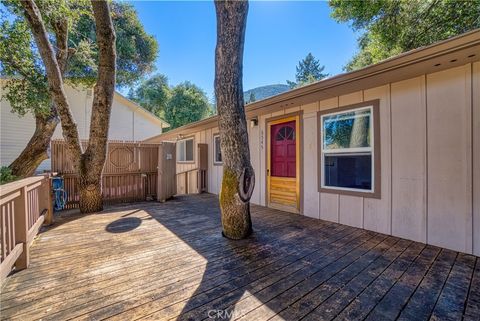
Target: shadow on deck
(169, 261)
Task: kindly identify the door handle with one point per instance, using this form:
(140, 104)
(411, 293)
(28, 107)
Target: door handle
(268, 172)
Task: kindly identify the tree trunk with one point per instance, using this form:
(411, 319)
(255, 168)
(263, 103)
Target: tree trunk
(93, 160)
(89, 165)
(238, 175)
(359, 135)
(36, 150)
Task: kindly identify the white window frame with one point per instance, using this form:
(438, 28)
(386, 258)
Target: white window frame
(185, 150)
(215, 162)
(349, 151)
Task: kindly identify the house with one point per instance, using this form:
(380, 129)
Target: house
(393, 148)
(128, 122)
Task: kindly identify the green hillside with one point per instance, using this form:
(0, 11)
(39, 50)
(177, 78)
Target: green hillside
(263, 92)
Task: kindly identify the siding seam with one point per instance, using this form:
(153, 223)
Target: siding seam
(425, 89)
(391, 156)
(472, 152)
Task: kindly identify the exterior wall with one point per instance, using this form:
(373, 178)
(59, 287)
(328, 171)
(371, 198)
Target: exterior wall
(125, 124)
(15, 132)
(476, 156)
(215, 172)
(430, 160)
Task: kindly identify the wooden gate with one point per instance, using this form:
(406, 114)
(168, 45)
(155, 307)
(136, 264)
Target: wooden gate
(166, 171)
(129, 175)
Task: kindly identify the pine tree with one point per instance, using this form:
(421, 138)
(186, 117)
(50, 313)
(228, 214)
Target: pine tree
(252, 98)
(308, 70)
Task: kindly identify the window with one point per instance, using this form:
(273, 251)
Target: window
(348, 156)
(217, 153)
(185, 150)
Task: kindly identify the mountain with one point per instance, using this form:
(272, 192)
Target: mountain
(265, 91)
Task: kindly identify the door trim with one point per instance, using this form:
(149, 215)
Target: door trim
(297, 117)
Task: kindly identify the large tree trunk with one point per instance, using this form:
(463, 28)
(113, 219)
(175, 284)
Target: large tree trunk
(238, 176)
(89, 165)
(93, 160)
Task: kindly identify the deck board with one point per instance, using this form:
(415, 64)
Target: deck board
(168, 261)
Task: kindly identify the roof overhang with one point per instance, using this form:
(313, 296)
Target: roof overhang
(443, 55)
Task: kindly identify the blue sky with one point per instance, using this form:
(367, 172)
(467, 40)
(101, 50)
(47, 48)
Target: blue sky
(279, 34)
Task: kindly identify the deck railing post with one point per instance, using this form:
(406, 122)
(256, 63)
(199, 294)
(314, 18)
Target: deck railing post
(46, 200)
(21, 227)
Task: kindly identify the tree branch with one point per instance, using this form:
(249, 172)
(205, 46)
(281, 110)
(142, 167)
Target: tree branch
(54, 77)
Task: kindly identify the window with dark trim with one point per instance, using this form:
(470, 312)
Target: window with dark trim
(347, 150)
(185, 150)
(217, 153)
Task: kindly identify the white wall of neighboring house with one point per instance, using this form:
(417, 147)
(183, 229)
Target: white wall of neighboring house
(128, 122)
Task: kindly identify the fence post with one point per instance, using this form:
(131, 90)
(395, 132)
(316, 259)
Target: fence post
(21, 228)
(46, 200)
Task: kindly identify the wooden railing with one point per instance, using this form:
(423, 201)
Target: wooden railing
(192, 181)
(24, 206)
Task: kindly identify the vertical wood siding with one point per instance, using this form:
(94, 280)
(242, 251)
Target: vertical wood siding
(476, 156)
(430, 161)
(409, 159)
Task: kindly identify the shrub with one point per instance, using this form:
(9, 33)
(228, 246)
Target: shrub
(6, 175)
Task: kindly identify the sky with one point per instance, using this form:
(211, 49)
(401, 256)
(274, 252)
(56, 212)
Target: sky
(278, 35)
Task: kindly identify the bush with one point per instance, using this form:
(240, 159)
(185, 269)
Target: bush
(6, 175)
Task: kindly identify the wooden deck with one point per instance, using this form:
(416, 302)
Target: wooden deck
(169, 261)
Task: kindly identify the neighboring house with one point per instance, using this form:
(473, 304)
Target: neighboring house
(392, 148)
(128, 121)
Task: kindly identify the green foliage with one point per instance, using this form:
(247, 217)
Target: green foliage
(395, 26)
(6, 175)
(153, 94)
(187, 104)
(308, 70)
(31, 88)
(178, 105)
(19, 58)
(136, 50)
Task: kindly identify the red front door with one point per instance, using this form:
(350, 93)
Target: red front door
(284, 150)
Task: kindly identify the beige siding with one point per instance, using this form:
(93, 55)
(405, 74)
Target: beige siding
(449, 164)
(377, 214)
(123, 120)
(476, 157)
(254, 139)
(261, 180)
(409, 159)
(80, 102)
(144, 127)
(430, 172)
(310, 186)
(15, 132)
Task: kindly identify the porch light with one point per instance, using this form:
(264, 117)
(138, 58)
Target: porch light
(254, 122)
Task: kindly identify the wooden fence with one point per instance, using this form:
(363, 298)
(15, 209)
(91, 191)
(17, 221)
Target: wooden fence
(130, 172)
(25, 205)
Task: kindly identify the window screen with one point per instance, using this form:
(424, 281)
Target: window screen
(185, 150)
(346, 150)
